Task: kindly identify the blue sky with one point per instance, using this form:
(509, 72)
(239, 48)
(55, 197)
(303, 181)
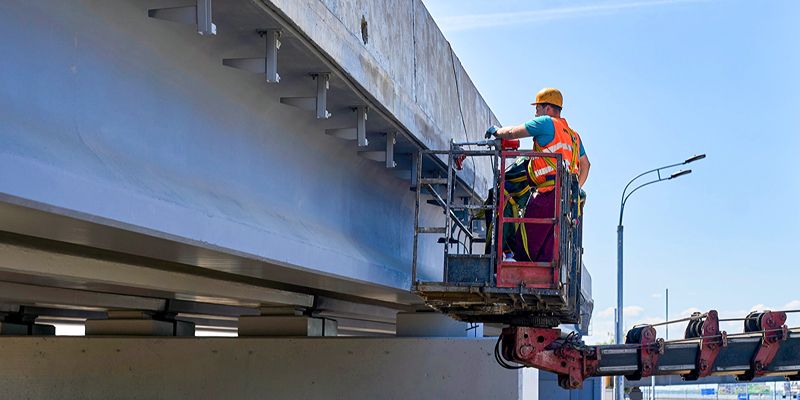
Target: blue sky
(649, 83)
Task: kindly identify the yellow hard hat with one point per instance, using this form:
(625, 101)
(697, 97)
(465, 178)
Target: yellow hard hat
(550, 96)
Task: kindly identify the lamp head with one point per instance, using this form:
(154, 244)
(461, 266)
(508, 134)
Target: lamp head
(694, 158)
(680, 173)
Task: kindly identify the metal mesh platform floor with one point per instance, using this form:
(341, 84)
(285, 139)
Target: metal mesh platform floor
(482, 303)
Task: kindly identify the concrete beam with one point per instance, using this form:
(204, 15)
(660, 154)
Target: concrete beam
(214, 206)
(19, 293)
(41, 263)
(252, 368)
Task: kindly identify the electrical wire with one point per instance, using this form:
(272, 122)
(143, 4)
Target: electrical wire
(499, 357)
(461, 110)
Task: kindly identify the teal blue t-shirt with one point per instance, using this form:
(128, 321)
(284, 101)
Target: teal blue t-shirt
(543, 131)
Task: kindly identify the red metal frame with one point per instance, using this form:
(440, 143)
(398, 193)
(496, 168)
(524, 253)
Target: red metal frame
(772, 323)
(544, 348)
(540, 275)
(711, 342)
(529, 346)
(650, 348)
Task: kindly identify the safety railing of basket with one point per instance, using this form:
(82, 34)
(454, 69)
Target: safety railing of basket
(558, 268)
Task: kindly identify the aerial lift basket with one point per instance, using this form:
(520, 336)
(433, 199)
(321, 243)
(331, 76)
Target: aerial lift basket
(479, 285)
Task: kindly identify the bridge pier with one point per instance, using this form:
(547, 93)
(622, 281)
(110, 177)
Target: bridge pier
(139, 323)
(255, 368)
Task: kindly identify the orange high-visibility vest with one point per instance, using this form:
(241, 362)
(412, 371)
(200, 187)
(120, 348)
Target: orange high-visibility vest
(542, 170)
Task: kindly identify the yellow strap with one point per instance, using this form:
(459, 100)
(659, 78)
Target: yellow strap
(548, 160)
(518, 179)
(515, 212)
(525, 241)
(508, 199)
(576, 150)
(514, 208)
(521, 192)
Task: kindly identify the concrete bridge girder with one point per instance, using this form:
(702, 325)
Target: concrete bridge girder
(136, 138)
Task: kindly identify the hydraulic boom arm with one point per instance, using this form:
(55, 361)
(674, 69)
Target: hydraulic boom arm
(766, 347)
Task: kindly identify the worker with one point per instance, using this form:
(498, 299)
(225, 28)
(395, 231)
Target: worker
(551, 134)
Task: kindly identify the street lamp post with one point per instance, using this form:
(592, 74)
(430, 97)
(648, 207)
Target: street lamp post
(620, 393)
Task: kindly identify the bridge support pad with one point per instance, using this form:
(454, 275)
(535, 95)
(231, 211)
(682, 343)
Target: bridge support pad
(252, 368)
(286, 325)
(138, 323)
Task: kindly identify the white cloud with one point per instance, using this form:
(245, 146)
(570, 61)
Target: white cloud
(479, 21)
(627, 312)
(631, 311)
(731, 326)
(607, 313)
(792, 305)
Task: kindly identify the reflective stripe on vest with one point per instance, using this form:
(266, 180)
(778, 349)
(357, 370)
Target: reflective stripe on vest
(542, 170)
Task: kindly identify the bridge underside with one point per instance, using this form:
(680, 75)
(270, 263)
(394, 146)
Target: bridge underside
(143, 165)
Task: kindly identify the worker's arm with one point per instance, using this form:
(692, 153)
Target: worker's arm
(584, 170)
(540, 128)
(512, 132)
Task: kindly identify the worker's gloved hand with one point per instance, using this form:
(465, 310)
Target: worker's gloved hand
(583, 195)
(490, 132)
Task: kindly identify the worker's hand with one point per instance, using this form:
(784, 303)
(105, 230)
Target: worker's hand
(490, 132)
(583, 195)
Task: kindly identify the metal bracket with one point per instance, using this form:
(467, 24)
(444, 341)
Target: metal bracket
(198, 14)
(384, 156)
(361, 126)
(261, 65)
(391, 140)
(416, 167)
(323, 84)
(531, 347)
(358, 133)
(271, 59)
(771, 324)
(319, 104)
(711, 342)
(650, 349)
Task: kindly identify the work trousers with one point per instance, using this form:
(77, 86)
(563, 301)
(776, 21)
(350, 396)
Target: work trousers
(539, 236)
